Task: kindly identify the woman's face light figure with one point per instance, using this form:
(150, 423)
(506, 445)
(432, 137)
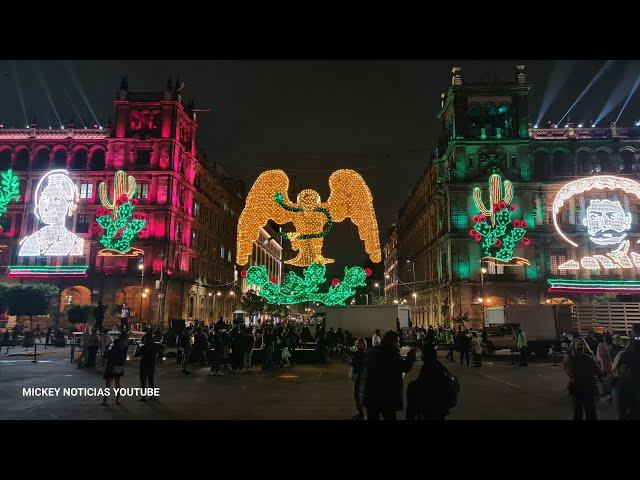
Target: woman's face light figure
(53, 207)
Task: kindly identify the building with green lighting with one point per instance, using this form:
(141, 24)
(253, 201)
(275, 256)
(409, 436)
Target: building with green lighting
(440, 267)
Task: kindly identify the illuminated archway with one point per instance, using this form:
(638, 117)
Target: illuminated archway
(137, 302)
(76, 295)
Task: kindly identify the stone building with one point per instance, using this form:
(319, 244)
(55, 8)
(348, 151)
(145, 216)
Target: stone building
(485, 131)
(190, 206)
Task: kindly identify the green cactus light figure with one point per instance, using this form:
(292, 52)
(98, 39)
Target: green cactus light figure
(296, 289)
(9, 189)
(118, 223)
(497, 233)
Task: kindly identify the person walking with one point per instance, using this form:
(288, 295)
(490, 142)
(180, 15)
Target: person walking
(476, 347)
(583, 371)
(448, 339)
(267, 349)
(429, 396)
(200, 345)
(237, 350)
(358, 374)
(626, 388)
(218, 355)
(522, 344)
(187, 346)
(249, 341)
(84, 345)
(124, 317)
(147, 351)
(115, 357)
(383, 389)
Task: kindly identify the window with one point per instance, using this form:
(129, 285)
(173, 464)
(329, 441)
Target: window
(229, 255)
(143, 190)
(83, 222)
(196, 209)
(86, 190)
(143, 157)
(222, 253)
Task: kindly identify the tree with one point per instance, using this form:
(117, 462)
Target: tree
(252, 303)
(30, 300)
(382, 301)
(276, 310)
(80, 314)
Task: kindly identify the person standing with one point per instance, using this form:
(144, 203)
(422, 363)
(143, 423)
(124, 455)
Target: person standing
(249, 341)
(626, 391)
(92, 348)
(476, 347)
(603, 356)
(267, 349)
(521, 343)
(448, 339)
(375, 340)
(115, 357)
(187, 345)
(84, 345)
(383, 390)
(105, 342)
(147, 352)
(359, 375)
(98, 314)
(124, 317)
(237, 350)
(583, 371)
(429, 395)
(464, 342)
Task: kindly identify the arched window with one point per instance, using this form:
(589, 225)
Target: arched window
(475, 119)
(503, 118)
(60, 158)
(41, 160)
(97, 160)
(562, 164)
(5, 159)
(22, 159)
(627, 162)
(541, 164)
(583, 162)
(79, 160)
(606, 162)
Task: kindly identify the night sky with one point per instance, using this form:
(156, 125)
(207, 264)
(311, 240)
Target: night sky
(311, 117)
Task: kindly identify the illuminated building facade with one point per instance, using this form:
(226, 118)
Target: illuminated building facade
(390, 255)
(590, 229)
(266, 251)
(189, 207)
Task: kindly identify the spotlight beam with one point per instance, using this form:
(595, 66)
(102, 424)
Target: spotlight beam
(593, 81)
(633, 90)
(45, 87)
(16, 78)
(73, 105)
(83, 95)
(559, 75)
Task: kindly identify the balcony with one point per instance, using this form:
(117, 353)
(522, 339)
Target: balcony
(503, 277)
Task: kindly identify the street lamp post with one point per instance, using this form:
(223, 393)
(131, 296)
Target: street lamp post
(141, 268)
(482, 272)
(160, 294)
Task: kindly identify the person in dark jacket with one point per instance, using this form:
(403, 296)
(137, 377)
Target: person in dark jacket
(359, 375)
(626, 388)
(147, 351)
(428, 395)
(115, 357)
(583, 371)
(238, 345)
(383, 390)
(464, 345)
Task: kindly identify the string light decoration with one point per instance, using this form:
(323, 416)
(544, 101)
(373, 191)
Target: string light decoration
(46, 271)
(9, 189)
(296, 289)
(118, 223)
(313, 220)
(56, 198)
(624, 287)
(606, 220)
(497, 233)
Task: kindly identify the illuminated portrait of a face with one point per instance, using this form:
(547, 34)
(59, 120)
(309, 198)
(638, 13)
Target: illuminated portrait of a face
(56, 198)
(606, 222)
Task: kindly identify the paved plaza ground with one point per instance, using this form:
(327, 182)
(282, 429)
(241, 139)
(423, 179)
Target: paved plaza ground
(496, 391)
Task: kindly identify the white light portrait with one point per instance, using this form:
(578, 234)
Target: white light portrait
(56, 198)
(606, 222)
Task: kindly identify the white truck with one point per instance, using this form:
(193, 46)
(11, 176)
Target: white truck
(364, 320)
(543, 326)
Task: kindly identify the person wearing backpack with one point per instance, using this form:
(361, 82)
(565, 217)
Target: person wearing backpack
(434, 392)
(383, 389)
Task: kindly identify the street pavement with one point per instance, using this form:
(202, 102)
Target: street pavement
(496, 391)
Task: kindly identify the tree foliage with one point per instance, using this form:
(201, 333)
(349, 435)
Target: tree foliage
(80, 313)
(252, 303)
(28, 300)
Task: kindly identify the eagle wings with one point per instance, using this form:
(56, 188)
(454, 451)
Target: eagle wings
(349, 197)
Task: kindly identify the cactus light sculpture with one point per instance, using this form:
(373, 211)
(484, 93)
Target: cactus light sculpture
(118, 223)
(497, 233)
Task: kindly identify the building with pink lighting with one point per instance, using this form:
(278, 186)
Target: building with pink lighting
(191, 207)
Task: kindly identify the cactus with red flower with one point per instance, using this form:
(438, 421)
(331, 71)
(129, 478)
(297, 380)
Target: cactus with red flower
(493, 228)
(117, 218)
